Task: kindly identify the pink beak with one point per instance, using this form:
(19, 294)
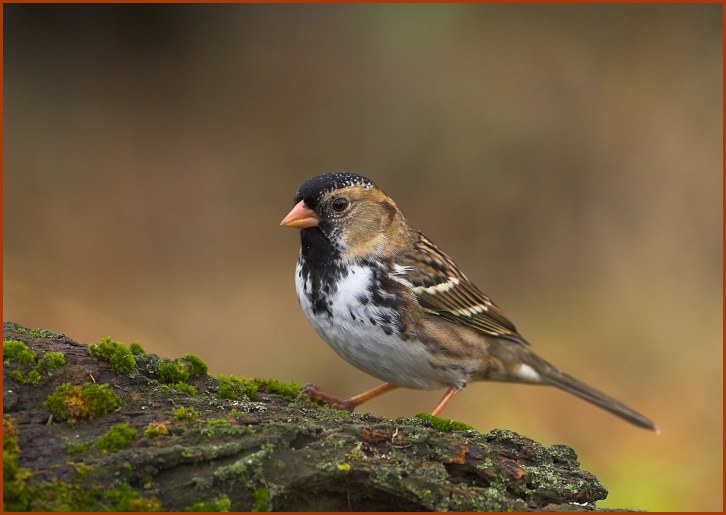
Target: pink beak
(301, 217)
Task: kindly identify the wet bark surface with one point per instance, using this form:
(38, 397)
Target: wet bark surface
(264, 452)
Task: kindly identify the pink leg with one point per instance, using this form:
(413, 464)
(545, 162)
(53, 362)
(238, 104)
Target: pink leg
(348, 404)
(447, 397)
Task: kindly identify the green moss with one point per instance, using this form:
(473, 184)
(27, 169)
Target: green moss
(221, 504)
(75, 448)
(443, 424)
(187, 388)
(16, 350)
(16, 495)
(239, 388)
(117, 438)
(62, 496)
(136, 349)
(21, 494)
(83, 469)
(173, 372)
(116, 353)
(290, 391)
(235, 388)
(38, 333)
(43, 333)
(32, 377)
(126, 499)
(71, 402)
(154, 429)
(56, 496)
(218, 430)
(262, 500)
(10, 437)
(199, 367)
(217, 422)
(355, 454)
(334, 443)
(186, 413)
(52, 360)
(181, 370)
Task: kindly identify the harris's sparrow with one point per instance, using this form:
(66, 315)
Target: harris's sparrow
(390, 302)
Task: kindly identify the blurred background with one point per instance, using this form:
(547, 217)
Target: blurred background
(569, 157)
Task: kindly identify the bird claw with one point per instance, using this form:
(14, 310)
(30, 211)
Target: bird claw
(313, 391)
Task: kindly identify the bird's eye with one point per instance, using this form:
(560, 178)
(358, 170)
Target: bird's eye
(340, 203)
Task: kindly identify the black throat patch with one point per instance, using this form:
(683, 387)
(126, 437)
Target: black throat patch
(321, 269)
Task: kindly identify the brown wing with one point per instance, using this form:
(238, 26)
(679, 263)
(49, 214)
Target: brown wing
(443, 290)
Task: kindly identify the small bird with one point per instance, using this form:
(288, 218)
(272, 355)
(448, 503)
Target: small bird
(390, 302)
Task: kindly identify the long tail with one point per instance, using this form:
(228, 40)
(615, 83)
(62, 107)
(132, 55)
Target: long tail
(549, 374)
(573, 385)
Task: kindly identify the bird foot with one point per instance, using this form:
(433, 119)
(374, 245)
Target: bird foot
(312, 391)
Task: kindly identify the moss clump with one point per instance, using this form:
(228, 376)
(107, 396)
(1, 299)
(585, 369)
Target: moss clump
(75, 448)
(15, 350)
(52, 360)
(44, 333)
(38, 333)
(32, 377)
(239, 388)
(181, 370)
(117, 438)
(199, 367)
(136, 349)
(290, 391)
(186, 413)
(262, 499)
(173, 372)
(16, 495)
(116, 353)
(235, 388)
(187, 388)
(443, 424)
(154, 429)
(71, 402)
(221, 504)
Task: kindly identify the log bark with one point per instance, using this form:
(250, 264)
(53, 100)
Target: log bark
(266, 453)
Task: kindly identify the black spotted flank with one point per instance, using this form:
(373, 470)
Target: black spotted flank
(387, 295)
(383, 291)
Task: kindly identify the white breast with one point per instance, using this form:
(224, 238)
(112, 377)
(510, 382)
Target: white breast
(353, 332)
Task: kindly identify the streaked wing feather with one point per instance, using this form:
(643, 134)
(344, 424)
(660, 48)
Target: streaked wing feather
(443, 290)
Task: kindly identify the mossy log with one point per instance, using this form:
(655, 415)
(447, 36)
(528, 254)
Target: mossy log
(191, 441)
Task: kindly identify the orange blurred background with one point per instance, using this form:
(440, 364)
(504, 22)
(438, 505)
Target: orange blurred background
(569, 157)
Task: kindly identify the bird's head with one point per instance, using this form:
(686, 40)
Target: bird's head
(350, 212)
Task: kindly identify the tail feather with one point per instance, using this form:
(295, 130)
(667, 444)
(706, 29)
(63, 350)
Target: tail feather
(583, 390)
(533, 368)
